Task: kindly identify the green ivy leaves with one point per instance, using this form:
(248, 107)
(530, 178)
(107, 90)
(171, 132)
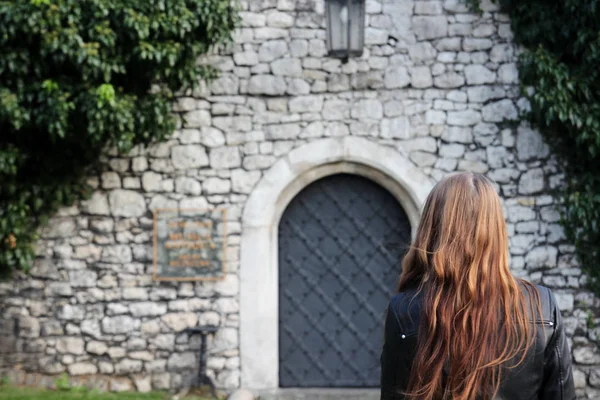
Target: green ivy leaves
(559, 67)
(77, 77)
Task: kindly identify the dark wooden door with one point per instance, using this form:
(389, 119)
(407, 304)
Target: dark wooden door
(340, 246)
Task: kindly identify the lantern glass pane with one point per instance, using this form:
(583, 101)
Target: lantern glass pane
(338, 15)
(357, 27)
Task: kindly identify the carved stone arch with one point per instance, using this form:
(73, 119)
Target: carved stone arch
(264, 208)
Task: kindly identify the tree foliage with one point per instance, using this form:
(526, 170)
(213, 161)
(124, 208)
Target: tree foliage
(560, 75)
(80, 76)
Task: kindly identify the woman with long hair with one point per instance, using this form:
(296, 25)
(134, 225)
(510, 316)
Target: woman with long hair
(461, 326)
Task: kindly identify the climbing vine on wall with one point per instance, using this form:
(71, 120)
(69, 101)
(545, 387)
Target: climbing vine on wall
(78, 77)
(560, 74)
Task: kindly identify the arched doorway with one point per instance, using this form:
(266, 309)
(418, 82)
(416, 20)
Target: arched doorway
(279, 185)
(341, 240)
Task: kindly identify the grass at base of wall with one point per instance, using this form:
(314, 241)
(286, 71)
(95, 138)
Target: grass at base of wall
(18, 393)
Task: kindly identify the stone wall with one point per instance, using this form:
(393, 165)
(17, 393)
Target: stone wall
(437, 83)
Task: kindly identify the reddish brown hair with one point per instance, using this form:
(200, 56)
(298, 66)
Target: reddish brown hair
(476, 317)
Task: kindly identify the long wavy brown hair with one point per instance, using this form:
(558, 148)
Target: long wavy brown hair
(476, 321)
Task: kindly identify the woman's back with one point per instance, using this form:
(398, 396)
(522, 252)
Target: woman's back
(462, 327)
(545, 373)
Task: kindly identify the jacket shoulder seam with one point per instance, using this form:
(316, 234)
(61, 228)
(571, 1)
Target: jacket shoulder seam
(400, 298)
(397, 319)
(553, 316)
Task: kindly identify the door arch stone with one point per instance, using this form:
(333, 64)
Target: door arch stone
(262, 213)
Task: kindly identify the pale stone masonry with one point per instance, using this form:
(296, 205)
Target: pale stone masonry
(436, 84)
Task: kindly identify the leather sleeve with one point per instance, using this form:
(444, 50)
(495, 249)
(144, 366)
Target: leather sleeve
(558, 372)
(390, 360)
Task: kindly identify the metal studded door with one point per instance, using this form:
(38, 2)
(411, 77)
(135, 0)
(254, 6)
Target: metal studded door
(340, 246)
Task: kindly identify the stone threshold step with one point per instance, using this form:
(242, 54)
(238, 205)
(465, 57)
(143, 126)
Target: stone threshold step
(320, 394)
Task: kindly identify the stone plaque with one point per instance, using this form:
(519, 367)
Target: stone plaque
(189, 244)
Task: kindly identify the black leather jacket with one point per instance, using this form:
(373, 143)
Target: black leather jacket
(546, 373)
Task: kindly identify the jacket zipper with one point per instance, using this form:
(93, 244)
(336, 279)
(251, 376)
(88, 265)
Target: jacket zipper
(545, 323)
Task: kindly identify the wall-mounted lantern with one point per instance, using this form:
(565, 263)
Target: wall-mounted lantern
(345, 27)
